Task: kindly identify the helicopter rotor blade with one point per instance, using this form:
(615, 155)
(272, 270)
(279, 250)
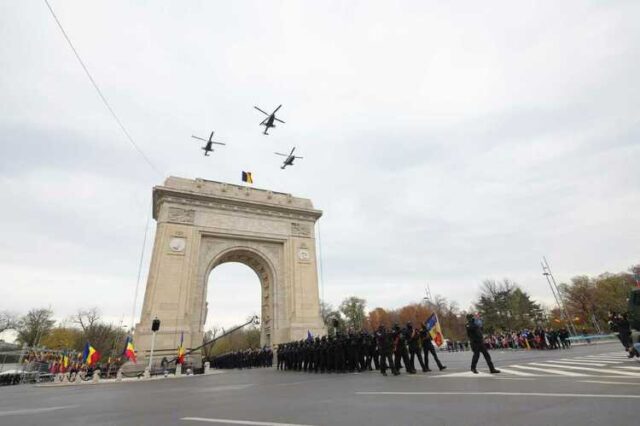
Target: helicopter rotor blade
(211, 135)
(277, 119)
(276, 110)
(218, 143)
(279, 153)
(292, 149)
(196, 137)
(265, 113)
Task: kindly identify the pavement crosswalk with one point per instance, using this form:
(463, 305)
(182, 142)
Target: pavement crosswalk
(612, 364)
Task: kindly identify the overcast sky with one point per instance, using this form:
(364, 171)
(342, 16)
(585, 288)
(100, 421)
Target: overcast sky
(446, 143)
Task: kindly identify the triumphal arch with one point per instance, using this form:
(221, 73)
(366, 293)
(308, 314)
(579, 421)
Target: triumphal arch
(202, 224)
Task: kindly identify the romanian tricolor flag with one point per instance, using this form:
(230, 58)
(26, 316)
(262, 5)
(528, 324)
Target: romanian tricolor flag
(181, 351)
(247, 177)
(129, 351)
(433, 325)
(90, 355)
(64, 362)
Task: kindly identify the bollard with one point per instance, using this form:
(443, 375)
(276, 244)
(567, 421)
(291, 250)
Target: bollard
(119, 375)
(147, 373)
(178, 369)
(96, 376)
(207, 367)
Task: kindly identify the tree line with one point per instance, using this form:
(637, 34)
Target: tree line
(38, 329)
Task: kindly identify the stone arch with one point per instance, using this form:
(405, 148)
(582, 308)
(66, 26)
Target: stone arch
(201, 224)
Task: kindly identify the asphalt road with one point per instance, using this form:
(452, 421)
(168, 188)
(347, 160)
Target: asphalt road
(583, 386)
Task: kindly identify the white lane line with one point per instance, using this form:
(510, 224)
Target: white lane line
(463, 374)
(238, 422)
(614, 358)
(525, 394)
(550, 371)
(630, 368)
(515, 372)
(603, 361)
(597, 370)
(588, 364)
(513, 378)
(608, 356)
(609, 383)
(34, 410)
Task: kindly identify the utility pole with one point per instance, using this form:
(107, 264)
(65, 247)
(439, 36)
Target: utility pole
(546, 271)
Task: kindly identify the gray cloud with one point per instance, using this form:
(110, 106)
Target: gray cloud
(445, 143)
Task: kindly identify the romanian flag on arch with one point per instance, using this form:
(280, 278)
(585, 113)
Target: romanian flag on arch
(181, 351)
(129, 351)
(247, 177)
(433, 325)
(90, 355)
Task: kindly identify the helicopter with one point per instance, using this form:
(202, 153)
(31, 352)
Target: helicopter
(268, 122)
(207, 148)
(289, 160)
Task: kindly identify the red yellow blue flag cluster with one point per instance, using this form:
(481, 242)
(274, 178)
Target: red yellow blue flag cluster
(129, 351)
(90, 356)
(433, 325)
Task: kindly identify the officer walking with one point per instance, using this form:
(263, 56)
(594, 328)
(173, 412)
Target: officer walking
(474, 332)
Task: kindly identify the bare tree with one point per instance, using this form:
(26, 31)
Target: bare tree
(8, 321)
(87, 318)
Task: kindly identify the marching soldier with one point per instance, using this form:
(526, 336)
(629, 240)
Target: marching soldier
(474, 332)
(428, 348)
(385, 348)
(400, 350)
(413, 339)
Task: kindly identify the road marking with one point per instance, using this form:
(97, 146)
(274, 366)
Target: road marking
(630, 368)
(238, 422)
(547, 370)
(34, 410)
(609, 383)
(525, 394)
(588, 364)
(513, 378)
(225, 388)
(622, 373)
(602, 361)
(515, 372)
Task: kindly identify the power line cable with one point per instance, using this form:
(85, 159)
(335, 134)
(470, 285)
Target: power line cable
(102, 97)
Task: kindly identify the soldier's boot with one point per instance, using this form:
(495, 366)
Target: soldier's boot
(442, 367)
(494, 371)
(474, 371)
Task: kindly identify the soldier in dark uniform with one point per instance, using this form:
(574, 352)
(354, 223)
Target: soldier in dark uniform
(371, 347)
(400, 354)
(322, 355)
(340, 352)
(474, 332)
(385, 348)
(413, 340)
(428, 348)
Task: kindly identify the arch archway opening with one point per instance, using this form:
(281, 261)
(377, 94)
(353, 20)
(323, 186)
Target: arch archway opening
(234, 294)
